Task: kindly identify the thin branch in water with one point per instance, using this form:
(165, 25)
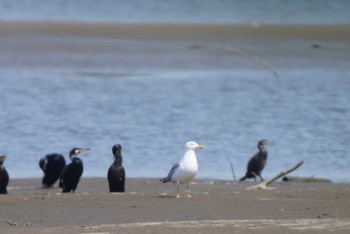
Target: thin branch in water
(255, 59)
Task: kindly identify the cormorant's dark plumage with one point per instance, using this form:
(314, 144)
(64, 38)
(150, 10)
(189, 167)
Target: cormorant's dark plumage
(71, 173)
(257, 163)
(4, 176)
(116, 172)
(52, 166)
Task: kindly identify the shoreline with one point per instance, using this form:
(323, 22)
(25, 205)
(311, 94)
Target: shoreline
(294, 180)
(146, 178)
(337, 32)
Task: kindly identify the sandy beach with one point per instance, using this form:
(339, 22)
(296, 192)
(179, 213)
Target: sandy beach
(150, 206)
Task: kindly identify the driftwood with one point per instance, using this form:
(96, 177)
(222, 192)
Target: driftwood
(232, 170)
(11, 223)
(264, 184)
(305, 179)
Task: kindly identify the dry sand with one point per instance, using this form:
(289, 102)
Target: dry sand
(150, 206)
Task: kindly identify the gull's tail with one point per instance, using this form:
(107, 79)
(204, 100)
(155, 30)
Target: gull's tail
(164, 180)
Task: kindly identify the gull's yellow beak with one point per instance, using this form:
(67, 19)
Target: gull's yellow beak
(200, 147)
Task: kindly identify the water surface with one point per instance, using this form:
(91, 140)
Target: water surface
(305, 114)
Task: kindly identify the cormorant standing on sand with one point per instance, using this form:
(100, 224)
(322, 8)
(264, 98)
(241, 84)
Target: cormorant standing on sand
(71, 173)
(257, 163)
(4, 176)
(52, 166)
(116, 172)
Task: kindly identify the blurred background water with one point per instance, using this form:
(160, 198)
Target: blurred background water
(153, 113)
(182, 11)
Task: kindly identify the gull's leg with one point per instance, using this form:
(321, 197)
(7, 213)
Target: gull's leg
(177, 190)
(188, 190)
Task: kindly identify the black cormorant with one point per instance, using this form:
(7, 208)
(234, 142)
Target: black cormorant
(71, 173)
(116, 172)
(257, 163)
(52, 166)
(4, 176)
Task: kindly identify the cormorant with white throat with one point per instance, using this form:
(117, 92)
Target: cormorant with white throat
(186, 169)
(257, 163)
(71, 173)
(116, 172)
(4, 176)
(52, 166)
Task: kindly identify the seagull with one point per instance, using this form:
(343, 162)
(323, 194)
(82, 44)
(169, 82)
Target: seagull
(186, 169)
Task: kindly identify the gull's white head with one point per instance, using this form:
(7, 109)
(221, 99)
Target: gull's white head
(193, 145)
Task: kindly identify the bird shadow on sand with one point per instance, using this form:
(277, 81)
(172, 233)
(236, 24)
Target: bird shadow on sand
(175, 197)
(166, 196)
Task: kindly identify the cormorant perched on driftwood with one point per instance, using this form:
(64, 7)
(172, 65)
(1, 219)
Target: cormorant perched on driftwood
(257, 163)
(71, 173)
(52, 166)
(116, 172)
(4, 176)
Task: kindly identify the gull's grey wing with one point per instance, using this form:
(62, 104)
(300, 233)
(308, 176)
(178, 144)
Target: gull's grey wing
(171, 173)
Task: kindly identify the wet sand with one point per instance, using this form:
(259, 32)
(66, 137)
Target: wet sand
(155, 47)
(150, 206)
(179, 31)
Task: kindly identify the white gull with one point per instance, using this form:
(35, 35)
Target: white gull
(186, 169)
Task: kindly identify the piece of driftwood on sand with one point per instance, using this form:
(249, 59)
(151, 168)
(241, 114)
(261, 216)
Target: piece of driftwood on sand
(264, 184)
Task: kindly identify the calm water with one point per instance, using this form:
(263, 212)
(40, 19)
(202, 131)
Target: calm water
(306, 114)
(179, 11)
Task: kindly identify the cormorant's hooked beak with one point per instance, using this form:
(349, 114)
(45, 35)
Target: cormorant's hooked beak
(265, 142)
(2, 158)
(77, 151)
(200, 147)
(42, 164)
(83, 149)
